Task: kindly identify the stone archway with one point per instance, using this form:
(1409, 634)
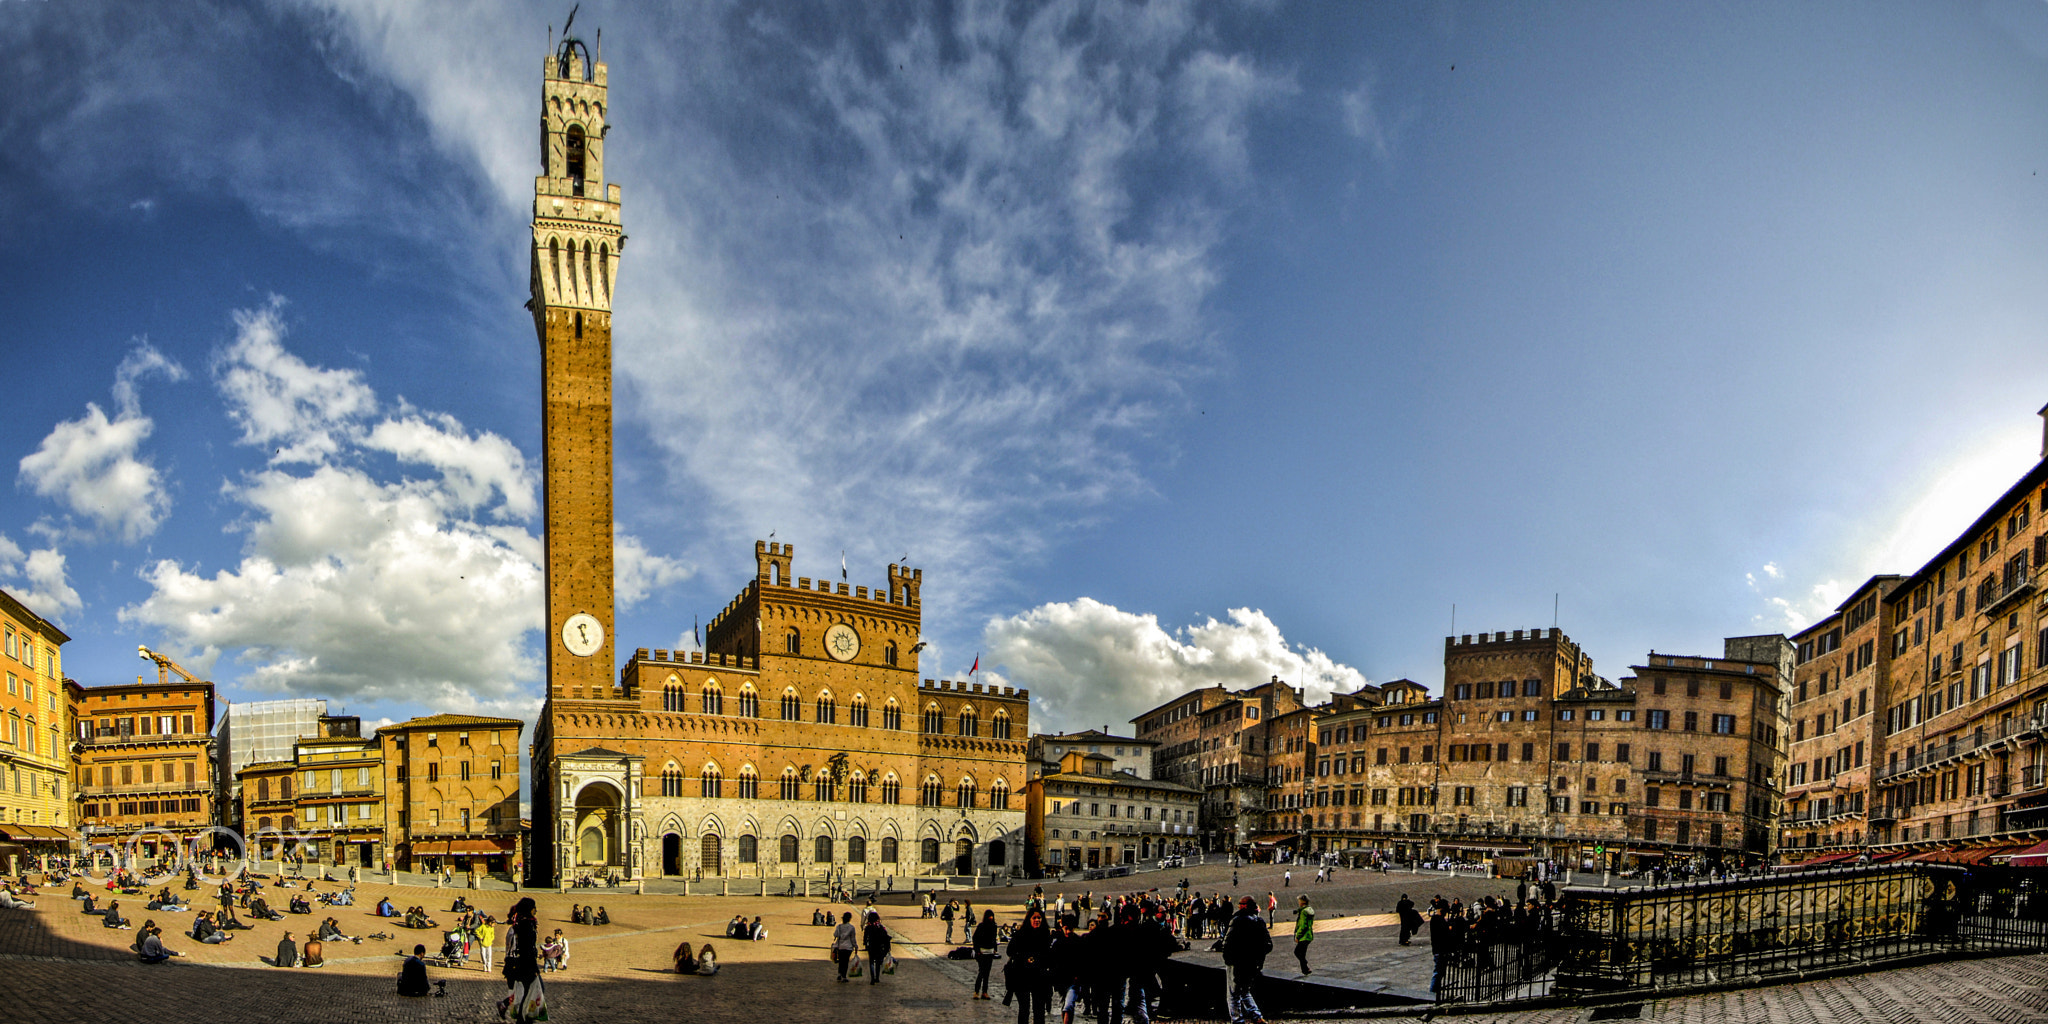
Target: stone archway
(671, 854)
(963, 857)
(710, 855)
(599, 827)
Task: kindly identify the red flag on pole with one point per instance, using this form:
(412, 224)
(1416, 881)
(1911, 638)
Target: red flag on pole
(977, 664)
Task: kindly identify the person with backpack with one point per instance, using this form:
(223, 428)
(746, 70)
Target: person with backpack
(876, 938)
(1245, 947)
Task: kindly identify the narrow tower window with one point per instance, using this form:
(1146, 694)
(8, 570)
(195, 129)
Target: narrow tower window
(574, 151)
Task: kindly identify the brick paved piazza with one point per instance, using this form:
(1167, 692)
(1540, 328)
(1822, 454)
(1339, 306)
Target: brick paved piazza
(61, 965)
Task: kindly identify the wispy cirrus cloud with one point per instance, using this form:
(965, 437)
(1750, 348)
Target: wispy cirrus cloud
(925, 282)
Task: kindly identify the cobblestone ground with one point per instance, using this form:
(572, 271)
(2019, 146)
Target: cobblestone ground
(61, 965)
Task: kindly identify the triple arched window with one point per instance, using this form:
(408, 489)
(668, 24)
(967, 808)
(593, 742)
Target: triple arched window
(712, 783)
(750, 783)
(892, 790)
(792, 706)
(857, 711)
(790, 785)
(672, 697)
(713, 699)
(827, 710)
(857, 790)
(970, 723)
(999, 726)
(934, 720)
(934, 792)
(750, 702)
(999, 795)
(967, 793)
(671, 781)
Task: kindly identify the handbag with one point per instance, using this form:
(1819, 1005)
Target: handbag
(889, 965)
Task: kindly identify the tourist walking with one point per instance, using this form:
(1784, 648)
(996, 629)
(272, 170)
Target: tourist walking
(985, 940)
(1304, 932)
(1245, 947)
(876, 938)
(527, 1000)
(1411, 922)
(1029, 951)
(844, 939)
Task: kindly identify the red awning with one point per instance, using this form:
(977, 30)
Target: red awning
(1823, 860)
(485, 847)
(439, 849)
(2035, 856)
(1970, 855)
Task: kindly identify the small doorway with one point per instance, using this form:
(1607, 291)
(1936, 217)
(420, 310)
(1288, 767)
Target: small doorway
(710, 858)
(363, 854)
(671, 854)
(963, 857)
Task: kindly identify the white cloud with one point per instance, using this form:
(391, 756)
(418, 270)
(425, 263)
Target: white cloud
(637, 572)
(1090, 664)
(91, 465)
(42, 585)
(300, 412)
(1795, 611)
(420, 590)
(472, 466)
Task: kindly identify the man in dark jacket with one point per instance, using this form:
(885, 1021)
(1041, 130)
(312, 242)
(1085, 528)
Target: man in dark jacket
(1443, 943)
(1411, 922)
(1245, 947)
(875, 937)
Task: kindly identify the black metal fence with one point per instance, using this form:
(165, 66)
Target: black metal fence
(1513, 960)
(1725, 933)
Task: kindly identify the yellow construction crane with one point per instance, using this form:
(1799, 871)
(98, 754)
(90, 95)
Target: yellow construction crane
(165, 666)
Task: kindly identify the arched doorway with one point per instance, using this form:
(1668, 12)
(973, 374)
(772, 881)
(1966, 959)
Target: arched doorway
(671, 854)
(599, 839)
(963, 857)
(710, 858)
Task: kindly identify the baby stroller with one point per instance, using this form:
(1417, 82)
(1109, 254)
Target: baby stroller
(454, 951)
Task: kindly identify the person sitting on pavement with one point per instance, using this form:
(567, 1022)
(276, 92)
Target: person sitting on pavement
(385, 909)
(287, 952)
(417, 918)
(13, 902)
(412, 977)
(601, 917)
(151, 949)
(113, 918)
(259, 909)
(707, 961)
(575, 913)
(685, 958)
(204, 931)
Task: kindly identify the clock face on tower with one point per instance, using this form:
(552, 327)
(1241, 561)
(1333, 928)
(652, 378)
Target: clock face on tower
(841, 642)
(582, 634)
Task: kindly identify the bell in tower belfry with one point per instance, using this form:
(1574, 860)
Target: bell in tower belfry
(575, 261)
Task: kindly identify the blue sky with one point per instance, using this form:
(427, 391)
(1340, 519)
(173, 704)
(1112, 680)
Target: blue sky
(1178, 344)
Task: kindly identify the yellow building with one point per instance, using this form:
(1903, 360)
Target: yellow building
(1088, 813)
(35, 762)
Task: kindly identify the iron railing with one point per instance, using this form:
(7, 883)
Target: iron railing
(1500, 955)
(1723, 934)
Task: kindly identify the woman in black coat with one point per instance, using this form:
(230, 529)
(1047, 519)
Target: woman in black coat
(1029, 949)
(522, 962)
(984, 952)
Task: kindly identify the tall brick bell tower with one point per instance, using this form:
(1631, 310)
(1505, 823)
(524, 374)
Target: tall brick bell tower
(576, 245)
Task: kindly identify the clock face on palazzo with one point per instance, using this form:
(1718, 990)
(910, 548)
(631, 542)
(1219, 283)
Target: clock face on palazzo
(841, 642)
(582, 634)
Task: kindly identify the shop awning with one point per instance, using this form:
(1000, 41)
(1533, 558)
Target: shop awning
(1493, 848)
(1274, 838)
(474, 847)
(1970, 855)
(2035, 856)
(437, 849)
(33, 834)
(1824, 860)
